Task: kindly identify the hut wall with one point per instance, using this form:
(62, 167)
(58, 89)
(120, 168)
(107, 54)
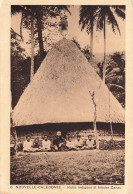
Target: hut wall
(67, 129)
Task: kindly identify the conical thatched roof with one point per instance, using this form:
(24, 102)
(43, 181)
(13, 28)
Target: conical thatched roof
(59, 91)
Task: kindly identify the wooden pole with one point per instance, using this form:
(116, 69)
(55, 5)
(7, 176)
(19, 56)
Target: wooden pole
(111, 128)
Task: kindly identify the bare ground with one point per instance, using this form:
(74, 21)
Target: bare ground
(86, 167)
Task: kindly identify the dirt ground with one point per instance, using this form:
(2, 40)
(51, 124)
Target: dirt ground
(85, 167)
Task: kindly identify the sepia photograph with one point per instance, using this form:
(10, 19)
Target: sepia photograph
(67, 86)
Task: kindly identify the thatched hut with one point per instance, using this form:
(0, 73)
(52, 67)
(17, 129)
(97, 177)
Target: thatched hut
(60, 92)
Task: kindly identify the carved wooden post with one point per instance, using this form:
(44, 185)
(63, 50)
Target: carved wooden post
(95, 118)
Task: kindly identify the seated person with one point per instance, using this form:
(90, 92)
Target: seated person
(27, 145)
(70, 144)
(20, 146)
(78, 143)
(59, 142)
(90, 143)
(12, 150)
(46, 144)
(36, 146)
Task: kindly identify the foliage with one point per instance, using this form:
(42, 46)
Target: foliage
(88, 17)
(94, 15)
(41, 15)
(87, 53)
(84, 50)
(20, 67)
(100, 15)
(87, 20)
(77, 43)
(107, 12)
(20, 71)
(115, 75)
(16, 48)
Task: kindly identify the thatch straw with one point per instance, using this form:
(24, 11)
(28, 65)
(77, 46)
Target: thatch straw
(59, 91)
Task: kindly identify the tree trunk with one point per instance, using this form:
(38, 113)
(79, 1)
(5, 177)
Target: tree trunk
(14, 134)
(13, 131)
(39, 30)
(32, 49)
(91, 42)
(104, 64)
(21, 25)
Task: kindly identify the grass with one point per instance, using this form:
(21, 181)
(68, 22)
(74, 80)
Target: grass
(69, 168)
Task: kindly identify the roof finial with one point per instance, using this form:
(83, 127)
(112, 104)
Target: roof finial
(63, 25)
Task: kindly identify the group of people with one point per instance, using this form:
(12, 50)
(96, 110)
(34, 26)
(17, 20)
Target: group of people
(58, 144)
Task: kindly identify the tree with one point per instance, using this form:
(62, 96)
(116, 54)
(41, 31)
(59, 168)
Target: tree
(105, 14)
(115, 75)
(41, 14)
(88, 16)
(16, 10)
(100, 15)
(33, 18)
(17, 54)
(28, 14)
(32, 46)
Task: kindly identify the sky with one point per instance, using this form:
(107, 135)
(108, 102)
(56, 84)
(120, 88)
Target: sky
(115, 42)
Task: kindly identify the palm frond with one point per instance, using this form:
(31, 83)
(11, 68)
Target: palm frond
(115, 70)
(120, 13)
(114, 76)
(63, 7)
(122, 7)
(100, 17)
(112, 20)
(117, 86)
(15, 9)
(87, 16)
